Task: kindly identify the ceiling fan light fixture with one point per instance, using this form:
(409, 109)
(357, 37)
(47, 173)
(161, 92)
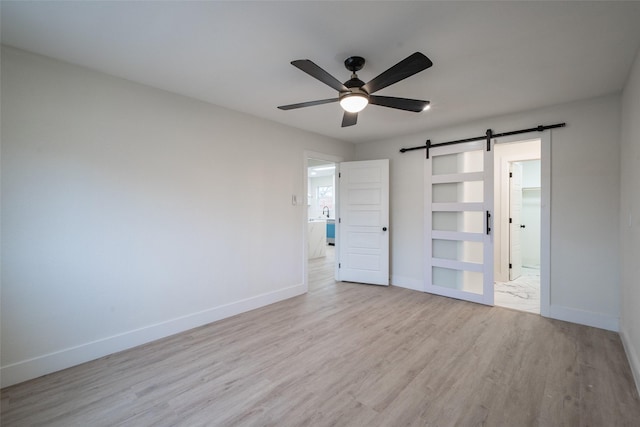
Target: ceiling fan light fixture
(427, 107)
(354, 94)
(354, 102)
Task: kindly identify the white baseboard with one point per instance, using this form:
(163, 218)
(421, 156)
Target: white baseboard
(32, 368)
(407, 282)
(582, 317)
(632, 356)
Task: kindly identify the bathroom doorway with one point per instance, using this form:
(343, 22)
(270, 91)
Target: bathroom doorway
(518, 207)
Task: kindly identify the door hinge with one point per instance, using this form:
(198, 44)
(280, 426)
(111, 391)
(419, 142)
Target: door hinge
(339, 174)
(339, 220)
(510, 266)
(339, 265)
(510, 220)
(510, 174)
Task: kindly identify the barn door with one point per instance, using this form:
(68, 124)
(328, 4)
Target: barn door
(458, 218)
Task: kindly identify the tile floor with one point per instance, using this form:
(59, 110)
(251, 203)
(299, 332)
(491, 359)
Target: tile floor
(521, 294)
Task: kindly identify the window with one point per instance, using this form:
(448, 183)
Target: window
(325, 197)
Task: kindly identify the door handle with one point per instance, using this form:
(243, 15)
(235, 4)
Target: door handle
(521, 225)
(384, 228)
(488, 226)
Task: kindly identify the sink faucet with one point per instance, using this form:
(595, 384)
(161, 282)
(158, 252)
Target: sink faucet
(326, 208)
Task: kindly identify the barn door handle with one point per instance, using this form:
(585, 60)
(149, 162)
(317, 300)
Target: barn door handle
(488, 226)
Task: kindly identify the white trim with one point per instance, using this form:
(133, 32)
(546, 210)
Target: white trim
(583, 317)
(32, 368)
(545, 223)
(632, 356)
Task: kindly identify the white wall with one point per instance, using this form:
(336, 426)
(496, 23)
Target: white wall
(585, 163)
(129, 213)
(531, 201)
(531, 174)
(630, 220)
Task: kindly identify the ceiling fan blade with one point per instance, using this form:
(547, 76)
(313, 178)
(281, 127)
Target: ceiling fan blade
(308, 104)
(349, 119)
(406, 104)
(406, 68)
(318, 73)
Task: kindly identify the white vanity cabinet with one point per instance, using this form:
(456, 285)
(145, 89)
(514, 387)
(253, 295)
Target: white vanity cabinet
(317, 237)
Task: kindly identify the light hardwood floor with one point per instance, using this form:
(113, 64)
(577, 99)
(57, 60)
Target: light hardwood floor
(350, 355)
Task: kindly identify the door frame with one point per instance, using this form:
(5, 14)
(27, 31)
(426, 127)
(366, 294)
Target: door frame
(545, 209)
(305, 211)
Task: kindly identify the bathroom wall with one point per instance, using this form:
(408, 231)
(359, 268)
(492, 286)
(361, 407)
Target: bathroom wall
(531, 202)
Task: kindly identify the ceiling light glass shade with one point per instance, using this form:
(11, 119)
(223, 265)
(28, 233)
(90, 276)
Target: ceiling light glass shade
(427, 107)
(354, 103)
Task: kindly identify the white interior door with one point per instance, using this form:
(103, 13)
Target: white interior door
(459, 205)
(363, 222)
(515, 220)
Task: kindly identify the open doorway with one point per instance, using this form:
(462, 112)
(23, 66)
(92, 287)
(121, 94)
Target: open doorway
(320, 227)
(518, 204)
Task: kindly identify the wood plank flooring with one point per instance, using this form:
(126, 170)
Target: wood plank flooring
(347, 354)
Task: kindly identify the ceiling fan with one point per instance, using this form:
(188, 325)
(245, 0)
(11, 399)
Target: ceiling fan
(354, 94)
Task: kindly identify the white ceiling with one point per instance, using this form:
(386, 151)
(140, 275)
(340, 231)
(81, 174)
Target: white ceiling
(489, 57)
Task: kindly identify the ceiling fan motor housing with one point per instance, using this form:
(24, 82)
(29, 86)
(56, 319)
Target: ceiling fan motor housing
(354, 90)
(353, 64)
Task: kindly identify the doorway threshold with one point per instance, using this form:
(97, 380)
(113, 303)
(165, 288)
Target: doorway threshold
(521, 294)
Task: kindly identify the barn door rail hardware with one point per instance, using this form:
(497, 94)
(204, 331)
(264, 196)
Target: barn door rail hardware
(488, 136)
